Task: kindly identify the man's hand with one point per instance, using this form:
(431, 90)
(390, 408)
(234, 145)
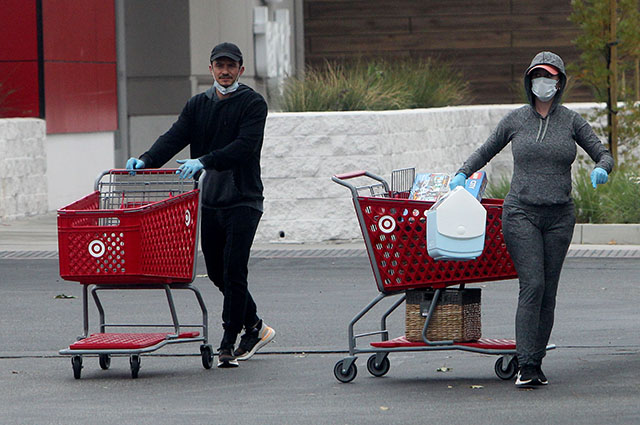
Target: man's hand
(133, 164)
(189, 167)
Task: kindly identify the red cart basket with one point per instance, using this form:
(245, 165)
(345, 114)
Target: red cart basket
(135, 231)
(394, 231)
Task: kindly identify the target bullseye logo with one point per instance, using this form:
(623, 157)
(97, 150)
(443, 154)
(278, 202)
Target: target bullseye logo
(387, 224)
(187, 218)
(97, 248)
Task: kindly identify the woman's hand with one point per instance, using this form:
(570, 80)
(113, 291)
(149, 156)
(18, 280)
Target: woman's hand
(458, 180)
(599, 176)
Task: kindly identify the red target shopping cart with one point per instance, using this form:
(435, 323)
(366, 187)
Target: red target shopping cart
(133, 232)
(394, 231)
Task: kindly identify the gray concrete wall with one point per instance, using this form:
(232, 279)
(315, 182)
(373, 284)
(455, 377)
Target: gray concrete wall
(158, 56)
(167, 45)
(23, 168)
(300, 154)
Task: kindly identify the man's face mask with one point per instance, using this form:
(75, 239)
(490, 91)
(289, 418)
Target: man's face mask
(225, 90)
(544, 88)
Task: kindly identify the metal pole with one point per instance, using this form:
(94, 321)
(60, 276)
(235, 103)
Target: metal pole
(613, 80)
(122, 145)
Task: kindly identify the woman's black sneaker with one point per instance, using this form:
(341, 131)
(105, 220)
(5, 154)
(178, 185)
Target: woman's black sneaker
(527, 377)
(541, 378)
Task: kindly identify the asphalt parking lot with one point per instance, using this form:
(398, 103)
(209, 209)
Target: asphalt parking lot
(309, 300)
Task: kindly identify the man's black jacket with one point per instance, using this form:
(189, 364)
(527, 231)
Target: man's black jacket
(226, 136)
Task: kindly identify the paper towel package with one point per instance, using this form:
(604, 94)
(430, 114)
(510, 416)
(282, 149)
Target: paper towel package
(456, 227)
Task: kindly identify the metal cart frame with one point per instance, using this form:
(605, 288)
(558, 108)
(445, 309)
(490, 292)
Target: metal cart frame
(128, 207)
(381, 214)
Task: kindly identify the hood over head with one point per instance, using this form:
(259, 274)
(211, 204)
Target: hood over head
(546, 58)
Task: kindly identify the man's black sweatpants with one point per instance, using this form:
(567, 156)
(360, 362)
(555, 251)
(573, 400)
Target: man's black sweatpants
(227, 236)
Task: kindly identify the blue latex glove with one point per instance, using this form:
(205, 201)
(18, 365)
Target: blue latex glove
(599, 176)
(458, 180)
(133, 164)
(189, 167)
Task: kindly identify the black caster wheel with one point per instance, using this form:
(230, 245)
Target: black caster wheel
(207, 356)
(76, 364)
(105, 361)
(134, 361)
(347, 376)
(510, 371)
(380, 370)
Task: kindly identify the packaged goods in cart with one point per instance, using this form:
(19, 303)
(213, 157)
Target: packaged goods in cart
(476, 184)
(429, 186)
(456, 227)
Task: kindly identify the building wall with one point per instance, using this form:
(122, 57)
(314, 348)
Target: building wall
(79, 66)
(490, 42)
(19, 83)
(168, 43)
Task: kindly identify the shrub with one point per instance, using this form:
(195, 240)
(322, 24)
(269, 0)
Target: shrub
(617, 201)
(499, 188)
(614, 202)
(374, 85)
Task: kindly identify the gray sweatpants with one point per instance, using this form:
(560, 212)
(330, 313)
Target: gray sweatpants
(537, 239)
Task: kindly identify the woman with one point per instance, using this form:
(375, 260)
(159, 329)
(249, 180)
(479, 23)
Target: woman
(538, 214)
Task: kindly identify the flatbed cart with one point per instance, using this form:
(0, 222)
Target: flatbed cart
(394, 232)
(134, 232)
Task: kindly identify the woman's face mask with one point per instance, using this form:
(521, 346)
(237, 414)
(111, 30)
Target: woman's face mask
(544, 88)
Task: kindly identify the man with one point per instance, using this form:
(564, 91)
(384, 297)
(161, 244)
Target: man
(224, 129)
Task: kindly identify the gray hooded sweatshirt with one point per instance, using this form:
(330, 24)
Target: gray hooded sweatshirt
(543, 148)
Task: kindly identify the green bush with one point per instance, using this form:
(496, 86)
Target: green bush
(374, 85)
(498, 188)
(617, 201)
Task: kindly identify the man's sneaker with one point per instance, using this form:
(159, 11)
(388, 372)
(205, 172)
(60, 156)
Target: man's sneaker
(226, 358)
(542, 380)
(527, 377)
(254, 340)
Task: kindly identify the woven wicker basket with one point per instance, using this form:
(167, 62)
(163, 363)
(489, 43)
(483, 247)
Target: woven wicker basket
(456, 317)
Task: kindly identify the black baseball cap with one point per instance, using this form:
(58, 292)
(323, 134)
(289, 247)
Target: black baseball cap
(227, 50)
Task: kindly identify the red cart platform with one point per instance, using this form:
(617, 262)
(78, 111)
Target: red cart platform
(394, 231)
(134, 232)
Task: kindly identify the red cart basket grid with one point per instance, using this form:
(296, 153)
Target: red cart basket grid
(134, 232)
(394, 231)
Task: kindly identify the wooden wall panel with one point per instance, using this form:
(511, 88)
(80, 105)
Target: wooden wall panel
(490, 42)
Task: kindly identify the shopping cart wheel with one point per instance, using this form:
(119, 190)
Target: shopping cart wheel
(510, 371)
(134, 361)
(207, 356)
(379, 370)
(76, 364)
(105, 361)
(347, 376)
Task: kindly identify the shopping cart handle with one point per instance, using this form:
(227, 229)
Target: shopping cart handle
(351, 175)
(340, 179)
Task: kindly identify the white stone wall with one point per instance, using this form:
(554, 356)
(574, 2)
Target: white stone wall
(303, 150)
(23, 168)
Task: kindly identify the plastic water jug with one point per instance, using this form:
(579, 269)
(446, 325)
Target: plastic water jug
(456, 227)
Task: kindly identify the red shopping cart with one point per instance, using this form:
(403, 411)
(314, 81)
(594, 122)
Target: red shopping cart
(394, 232)
(133, 232)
